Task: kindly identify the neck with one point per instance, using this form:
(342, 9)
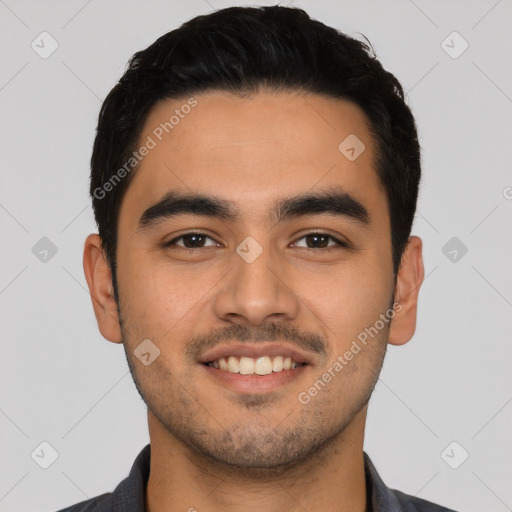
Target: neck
(332, 479)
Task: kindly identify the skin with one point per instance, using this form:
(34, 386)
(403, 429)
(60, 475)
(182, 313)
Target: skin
(214, 449)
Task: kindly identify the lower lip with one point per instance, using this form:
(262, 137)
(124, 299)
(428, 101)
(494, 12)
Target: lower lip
(252, 384)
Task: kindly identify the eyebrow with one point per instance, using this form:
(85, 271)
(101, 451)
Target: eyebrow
(336, 202)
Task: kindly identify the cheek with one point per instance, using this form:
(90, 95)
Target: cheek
(346, 298)
(157, 296)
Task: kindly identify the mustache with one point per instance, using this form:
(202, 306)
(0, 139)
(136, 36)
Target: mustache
(271, 331)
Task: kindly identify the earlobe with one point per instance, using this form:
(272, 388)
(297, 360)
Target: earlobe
(99, 279)
(409, 278)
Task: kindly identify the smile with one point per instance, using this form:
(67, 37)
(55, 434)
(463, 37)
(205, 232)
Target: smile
(263, 365)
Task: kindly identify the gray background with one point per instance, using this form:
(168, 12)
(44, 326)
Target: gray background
(62, 383)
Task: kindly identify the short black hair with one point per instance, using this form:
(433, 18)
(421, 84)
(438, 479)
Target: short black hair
(242, 50)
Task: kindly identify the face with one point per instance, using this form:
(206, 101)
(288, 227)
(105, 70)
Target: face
(244, 280)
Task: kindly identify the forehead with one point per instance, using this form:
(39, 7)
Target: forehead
(254, 148)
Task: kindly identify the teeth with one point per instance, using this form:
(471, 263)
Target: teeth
(260, 366)
(277, 364)
(246, 365)
(232, 364)
(263, 366)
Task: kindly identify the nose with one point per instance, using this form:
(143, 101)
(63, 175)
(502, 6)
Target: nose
(257, 289)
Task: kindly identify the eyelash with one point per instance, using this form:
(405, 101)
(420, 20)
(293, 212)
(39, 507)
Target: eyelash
(318, 233)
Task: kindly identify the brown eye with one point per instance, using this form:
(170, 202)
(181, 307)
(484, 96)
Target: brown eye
(191, 241)
(321, 241)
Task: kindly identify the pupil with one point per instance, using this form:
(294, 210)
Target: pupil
(316, 237)
(187, 238)
(191, 240)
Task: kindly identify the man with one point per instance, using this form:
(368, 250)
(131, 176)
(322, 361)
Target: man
(254, 181)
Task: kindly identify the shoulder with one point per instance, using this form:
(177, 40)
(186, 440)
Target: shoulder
(385, 499)
(127, 496)
(410, 503)
(98, 504)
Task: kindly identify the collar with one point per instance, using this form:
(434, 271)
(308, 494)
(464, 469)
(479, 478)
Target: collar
(129, 495)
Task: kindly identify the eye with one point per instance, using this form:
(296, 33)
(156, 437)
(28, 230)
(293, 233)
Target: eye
(320, 240)
(196, 240)
(191, 241)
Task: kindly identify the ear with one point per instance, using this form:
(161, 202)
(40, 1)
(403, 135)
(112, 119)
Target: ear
(409, 278)
(99, 278)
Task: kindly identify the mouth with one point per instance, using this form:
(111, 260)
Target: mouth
(263, 365)
(251, 369)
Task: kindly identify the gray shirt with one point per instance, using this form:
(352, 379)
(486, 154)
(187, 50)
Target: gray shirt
(129, 495)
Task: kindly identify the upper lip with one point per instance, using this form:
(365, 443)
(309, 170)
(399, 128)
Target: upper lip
(259, 349)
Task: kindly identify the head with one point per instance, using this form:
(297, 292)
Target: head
(255, 128)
